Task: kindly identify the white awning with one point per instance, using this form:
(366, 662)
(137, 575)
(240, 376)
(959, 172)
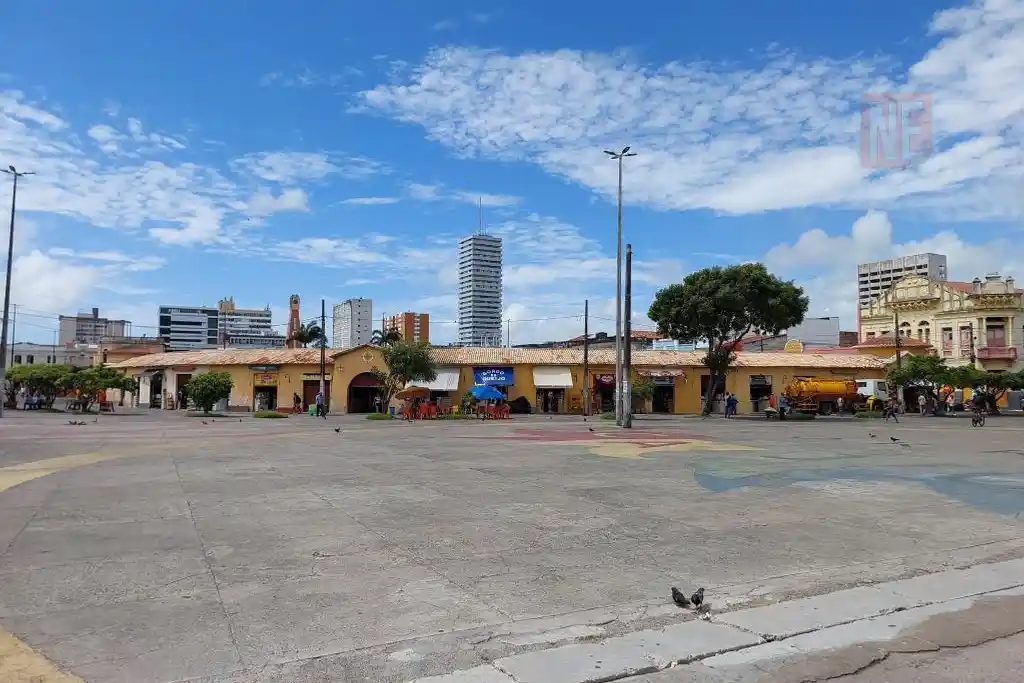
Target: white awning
(447, 380)
(556, 377)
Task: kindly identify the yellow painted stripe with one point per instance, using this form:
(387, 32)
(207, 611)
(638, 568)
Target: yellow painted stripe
(21, 664)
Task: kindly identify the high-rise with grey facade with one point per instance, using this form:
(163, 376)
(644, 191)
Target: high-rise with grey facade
(189, 327)
(480, 290)
(246, 328)
(877, 277)
(353, 323)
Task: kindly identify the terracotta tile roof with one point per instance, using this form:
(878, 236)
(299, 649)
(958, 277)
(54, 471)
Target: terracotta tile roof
(226, 357)
(888, 341)
(454, 355)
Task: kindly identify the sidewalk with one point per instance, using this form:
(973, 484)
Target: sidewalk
(797, 640)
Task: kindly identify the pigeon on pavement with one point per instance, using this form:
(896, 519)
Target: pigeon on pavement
(698, 597)
(590, 429)
(679, 598)
(893, 439)
(337, 430)
(873, 436)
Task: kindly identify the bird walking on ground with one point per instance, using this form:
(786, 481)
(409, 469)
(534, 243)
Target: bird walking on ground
(893, 439)
(873, 436)
(590, 429)
(679, 598)
(698, 597)
(337, 430)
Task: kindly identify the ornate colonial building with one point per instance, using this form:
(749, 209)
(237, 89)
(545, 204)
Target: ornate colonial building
(981, 320)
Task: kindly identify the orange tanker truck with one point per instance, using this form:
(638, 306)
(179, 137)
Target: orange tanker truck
(818, 395)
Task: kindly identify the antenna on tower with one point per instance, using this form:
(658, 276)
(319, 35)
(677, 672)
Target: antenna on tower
(480, 206)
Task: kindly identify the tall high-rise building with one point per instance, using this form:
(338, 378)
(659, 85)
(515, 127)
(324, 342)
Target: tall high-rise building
(89, 328)
(875, 278)
(189, 327)
(480, 290)
(353, 323)
(246, 328)
(412, 326)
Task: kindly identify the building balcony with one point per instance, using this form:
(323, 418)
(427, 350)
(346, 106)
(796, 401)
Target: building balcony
(996, 353)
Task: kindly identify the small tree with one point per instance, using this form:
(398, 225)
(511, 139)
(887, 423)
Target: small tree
(722, 305)
(996, 384)
(310, 333)
(643, 390)
(405, 362)
(209, 388)
(89, 382)
(47, 380)
(383, 338)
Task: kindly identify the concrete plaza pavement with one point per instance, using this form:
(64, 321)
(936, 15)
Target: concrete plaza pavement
(158, 548)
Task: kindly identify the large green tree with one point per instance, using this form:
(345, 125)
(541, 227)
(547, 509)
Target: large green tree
(89, 382)
(721, 305)
(46, 380)
(404, 362)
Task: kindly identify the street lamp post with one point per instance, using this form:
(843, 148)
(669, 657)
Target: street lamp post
(11, 171)
(618, 157)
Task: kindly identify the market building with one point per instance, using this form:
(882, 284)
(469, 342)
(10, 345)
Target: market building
(552, 380)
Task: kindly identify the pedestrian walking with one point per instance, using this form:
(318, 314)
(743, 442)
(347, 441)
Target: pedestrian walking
(296, 403)
(320, 411)
(922, 403)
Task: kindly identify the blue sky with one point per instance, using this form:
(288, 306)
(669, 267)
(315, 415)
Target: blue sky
(194, 150)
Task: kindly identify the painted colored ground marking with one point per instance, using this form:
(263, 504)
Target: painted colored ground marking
(626, 444)
(21, 664)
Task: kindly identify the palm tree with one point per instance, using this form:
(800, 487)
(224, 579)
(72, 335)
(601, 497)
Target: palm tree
(309, 333)
(382, 338)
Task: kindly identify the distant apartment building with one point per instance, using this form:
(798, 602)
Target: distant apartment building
(876, 278)
(246, 328)
(412, 326)
(189, 327)
(89, 328)
(353, 323)
(480, 280)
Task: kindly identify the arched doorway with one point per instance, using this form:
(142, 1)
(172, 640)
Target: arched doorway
(362, 391)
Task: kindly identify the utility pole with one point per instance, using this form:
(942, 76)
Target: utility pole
(899, 343)
(586, 357)
(323, 350)
(974, 360)
(14, 330)
(627, 369)
(54, 356)
(11, 171)
(508, 333)
(618, 156)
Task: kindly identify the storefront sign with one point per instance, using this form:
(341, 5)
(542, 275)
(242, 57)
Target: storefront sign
(794, 346)
(315, 376)
(663, 381)
(266, 379)
(499, 377)
(264, 368)
(604, 380)
(760, 381)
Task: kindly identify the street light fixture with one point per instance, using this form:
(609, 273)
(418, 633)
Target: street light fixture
(618, 157)
(11, 171)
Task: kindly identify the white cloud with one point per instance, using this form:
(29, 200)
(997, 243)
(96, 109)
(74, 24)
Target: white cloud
(370, 201)
(176, 202)
(434, 193)
(265, 202)
(826, 265)
(295, 167)
(781, 134)
(134, 143)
